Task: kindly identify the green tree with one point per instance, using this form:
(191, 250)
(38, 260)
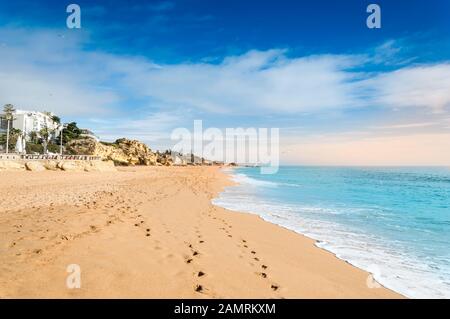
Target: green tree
(14, 134)
(45, 134)
(71, 132)
(56, 119)
(8, 110)
(33, 135)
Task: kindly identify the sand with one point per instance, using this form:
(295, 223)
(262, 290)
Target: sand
(152, 232)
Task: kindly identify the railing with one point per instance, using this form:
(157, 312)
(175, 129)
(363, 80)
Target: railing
(49, 157)
(9, 157)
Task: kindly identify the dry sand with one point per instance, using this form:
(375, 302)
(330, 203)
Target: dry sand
(152, 232)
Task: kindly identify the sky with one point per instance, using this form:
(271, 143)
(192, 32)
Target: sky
(340, 93)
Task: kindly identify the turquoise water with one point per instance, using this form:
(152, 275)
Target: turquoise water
(393, 222)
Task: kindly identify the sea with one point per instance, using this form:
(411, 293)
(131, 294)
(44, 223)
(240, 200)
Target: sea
(393, 222)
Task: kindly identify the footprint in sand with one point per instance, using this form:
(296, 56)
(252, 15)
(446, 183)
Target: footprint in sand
(198, 288)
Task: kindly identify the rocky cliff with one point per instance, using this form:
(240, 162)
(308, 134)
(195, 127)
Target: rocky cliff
(122, 152)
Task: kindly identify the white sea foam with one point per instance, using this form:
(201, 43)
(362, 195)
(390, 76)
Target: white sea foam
(391, 264)
(244, 179)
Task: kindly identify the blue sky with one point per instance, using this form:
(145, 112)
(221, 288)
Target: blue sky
(311, 68)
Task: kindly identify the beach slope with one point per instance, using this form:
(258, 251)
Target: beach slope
(152, 232)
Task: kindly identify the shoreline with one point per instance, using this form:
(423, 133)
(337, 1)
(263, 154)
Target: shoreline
(153, 232)
(229, 172)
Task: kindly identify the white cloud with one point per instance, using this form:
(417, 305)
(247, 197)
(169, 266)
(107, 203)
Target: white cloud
(53, 70)
(149, 128)
(425, 86)
(50, 69)
(270, 82)
(390, 53)
(47, 70)
(406, 125)
(254, 82)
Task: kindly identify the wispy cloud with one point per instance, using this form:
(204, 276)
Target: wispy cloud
(148, 127)
(406, 126)
(416, 86)
(390, 53)
(47, 70)
(258, 81)
(54, 70)
(270, 82)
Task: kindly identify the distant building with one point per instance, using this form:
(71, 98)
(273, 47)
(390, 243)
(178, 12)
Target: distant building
(188, 159)
(30, 121)
(3, 125)
(89, 134)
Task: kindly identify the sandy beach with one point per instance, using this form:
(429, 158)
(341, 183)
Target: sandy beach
(152, 232)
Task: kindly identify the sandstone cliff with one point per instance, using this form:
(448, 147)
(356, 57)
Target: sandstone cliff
(122, 152)
(63, 165)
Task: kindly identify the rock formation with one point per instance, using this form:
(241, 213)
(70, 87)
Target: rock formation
(65, 165)
(11, 166)
(35, 166)
(121, 152)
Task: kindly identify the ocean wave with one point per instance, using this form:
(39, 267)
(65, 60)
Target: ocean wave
(244, 179)
(391, 264)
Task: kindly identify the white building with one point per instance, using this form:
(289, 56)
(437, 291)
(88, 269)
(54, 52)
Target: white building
(31, 121)
(89, 134)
